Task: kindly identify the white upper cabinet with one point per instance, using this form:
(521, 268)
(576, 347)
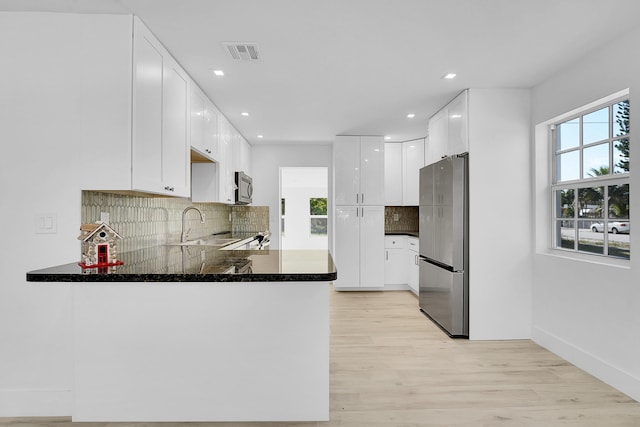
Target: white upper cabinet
(225, 162)
(402, 163)
(245, 156)
(438, 137)
(202, 115)
(160, 144)
(392, 174)
(371, 170)
(196, 124)
(215, 182)
(359, 170)
(448, 130)
(211, 115)
(346, 166)
(412, 161)
(175, 130)
(458, 119)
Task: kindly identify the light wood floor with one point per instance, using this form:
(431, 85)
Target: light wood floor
(390, 366)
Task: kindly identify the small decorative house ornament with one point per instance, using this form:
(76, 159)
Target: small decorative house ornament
(99, 245)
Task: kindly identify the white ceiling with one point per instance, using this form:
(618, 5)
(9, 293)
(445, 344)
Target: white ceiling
(360, 66)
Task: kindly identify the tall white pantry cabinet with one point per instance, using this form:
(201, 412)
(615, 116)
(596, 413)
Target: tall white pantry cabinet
(359, 211)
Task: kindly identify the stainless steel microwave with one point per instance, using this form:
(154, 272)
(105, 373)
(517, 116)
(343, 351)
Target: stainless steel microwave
(244, 188)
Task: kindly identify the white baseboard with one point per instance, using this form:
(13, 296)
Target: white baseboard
(384, 288)
(601, 369)
(36, 403)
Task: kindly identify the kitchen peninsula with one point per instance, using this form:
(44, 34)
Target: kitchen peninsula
(195, 333)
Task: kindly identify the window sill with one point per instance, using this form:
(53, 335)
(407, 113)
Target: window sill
(591, 259)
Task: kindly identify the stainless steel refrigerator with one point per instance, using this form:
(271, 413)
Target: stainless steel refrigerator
(444, 254)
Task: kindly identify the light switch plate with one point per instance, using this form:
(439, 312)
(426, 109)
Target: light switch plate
(46, 223)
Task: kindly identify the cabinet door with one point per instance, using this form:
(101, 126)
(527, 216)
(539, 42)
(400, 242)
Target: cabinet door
(245, 156)
(148, 65)
(413, 264)
(413, 270)
(196, 119)
(392, 174)
(412, 156)
(347, 246)
(176, 176)
(458, 139)
(224, 166)
(346, 163)
(372, 246)
(438, 136)
(160, 143)
(395, 267)
(210, 140)
(371, 170)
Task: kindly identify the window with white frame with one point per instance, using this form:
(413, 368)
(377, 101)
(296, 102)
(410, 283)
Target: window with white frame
(318, 216)
(591, 181)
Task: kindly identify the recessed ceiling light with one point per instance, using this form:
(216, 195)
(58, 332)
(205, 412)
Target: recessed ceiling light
(244, 113)
(411, 115)
(218, 73)
(260, 136)
(387, 138)
(449, 76)
(455, 116)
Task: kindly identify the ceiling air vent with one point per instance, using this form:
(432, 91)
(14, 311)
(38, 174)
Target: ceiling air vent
(243, 51)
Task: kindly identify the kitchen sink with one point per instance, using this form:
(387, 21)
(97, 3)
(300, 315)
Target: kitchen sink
(212, 241)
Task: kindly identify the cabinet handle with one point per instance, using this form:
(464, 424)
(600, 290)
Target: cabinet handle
(362, 199)
(357, 198)
(416, 259)
(169, 188)
(386, 253)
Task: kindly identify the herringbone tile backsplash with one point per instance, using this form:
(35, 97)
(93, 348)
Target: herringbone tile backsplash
(401, 218)
(150, 221)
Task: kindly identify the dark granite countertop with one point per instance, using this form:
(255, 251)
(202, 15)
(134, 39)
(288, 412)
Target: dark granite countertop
(402, 233)
(200, 263)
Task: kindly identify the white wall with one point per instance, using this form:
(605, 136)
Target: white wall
(587, 312)
(499, 214)
(49, 102)
(267, 161)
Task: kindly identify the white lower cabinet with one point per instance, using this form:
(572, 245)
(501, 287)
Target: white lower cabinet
(401, 264)
(412, 263)
(359, 247)
(395, 260)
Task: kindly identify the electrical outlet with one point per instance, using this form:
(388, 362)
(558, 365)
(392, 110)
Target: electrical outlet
(46, 223)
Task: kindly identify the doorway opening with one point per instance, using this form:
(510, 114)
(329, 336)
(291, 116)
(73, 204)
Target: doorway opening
(304, 207)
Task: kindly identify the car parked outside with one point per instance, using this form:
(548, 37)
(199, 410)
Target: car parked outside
(614, 227)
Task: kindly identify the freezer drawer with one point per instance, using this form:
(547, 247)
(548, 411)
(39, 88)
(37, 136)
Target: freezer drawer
(443, 296)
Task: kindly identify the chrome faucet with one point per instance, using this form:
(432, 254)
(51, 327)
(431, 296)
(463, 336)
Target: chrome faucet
(185, 234)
